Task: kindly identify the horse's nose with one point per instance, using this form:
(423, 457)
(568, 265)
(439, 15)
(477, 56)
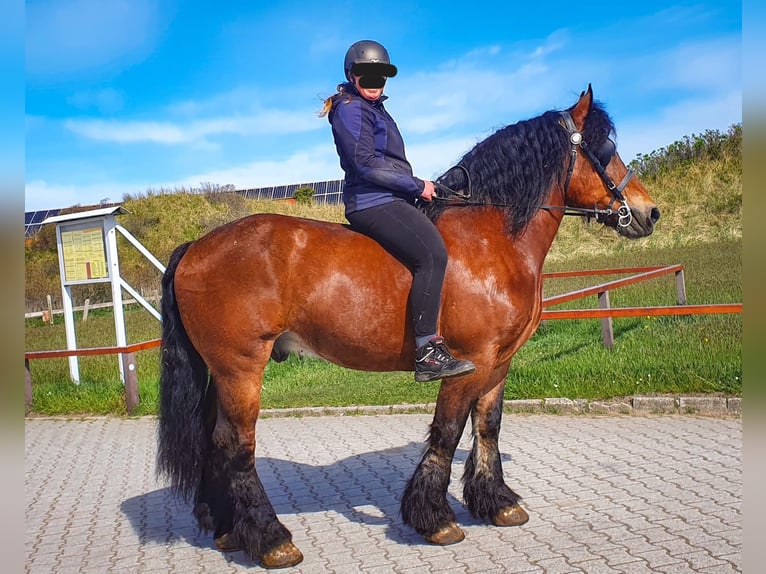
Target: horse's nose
(654, 215)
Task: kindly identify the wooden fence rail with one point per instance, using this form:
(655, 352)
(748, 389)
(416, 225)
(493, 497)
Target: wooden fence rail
(605, 312)
(128, 353)
(713, 309)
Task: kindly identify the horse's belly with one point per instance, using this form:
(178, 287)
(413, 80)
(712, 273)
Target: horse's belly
(349, 354)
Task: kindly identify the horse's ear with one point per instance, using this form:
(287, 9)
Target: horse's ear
(582, 107)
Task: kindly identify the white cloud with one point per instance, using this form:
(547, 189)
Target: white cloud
(553, 43)
(39, 194)
(715, 112)
(694, 116)
(484, 93)
(431, 159)
(312, 164)
(701, 66)
(277, 122)
(131, 132)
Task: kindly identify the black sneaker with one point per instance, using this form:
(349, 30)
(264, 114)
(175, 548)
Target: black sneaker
(434, 361)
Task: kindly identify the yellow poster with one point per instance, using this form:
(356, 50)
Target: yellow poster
(84, 257)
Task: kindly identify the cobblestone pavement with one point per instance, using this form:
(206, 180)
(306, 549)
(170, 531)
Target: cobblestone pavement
(605, 494)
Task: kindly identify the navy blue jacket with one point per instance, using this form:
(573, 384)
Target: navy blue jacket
(371, 152)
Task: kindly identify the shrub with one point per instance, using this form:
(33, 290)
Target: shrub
(304, 195)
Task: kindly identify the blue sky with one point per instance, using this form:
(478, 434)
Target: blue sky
(127, 95)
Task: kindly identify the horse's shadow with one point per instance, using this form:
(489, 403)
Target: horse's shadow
(364, 489)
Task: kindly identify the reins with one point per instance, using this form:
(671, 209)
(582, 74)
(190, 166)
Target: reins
(451, 192)
(462, 198)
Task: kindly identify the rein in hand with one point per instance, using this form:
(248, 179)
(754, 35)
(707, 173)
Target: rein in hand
(461, 198)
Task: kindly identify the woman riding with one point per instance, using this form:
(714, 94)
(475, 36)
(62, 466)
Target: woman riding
(379, 195)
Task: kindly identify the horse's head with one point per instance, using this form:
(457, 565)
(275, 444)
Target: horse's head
(598, 178)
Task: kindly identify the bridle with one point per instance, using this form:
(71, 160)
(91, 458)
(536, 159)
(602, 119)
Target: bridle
(600, 159)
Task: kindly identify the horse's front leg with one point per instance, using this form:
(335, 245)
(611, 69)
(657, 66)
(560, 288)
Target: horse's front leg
(424, 503)
(484, 491)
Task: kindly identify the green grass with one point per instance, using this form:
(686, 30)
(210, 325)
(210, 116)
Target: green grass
(565, 358)
(657, 355)
(100, 390)
(681, 354)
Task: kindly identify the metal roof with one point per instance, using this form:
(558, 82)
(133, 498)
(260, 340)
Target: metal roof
(114, 210)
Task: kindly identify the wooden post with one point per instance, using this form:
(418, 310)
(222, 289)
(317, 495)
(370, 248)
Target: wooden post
(681, 287)
(50, 310)
(27, 386)
(85, 310)
(131, 381)
(607, 330)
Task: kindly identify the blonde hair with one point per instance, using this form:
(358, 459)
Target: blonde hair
(328, 103)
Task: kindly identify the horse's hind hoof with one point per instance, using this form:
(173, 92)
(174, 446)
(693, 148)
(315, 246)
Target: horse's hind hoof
(226, 543)
(283, 556)
(450, 534)
(512, 516)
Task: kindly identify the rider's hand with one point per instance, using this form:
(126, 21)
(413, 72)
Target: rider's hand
(428, 191)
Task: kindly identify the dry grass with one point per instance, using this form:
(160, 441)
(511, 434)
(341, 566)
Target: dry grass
(700, 203)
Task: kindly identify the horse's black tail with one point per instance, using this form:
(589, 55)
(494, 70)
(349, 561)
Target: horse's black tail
(182, 441)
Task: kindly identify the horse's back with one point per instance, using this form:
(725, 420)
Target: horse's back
(267, 274)
(273, 249)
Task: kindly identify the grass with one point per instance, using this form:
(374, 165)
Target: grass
(658, 355)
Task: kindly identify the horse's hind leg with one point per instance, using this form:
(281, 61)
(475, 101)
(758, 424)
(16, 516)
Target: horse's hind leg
(211, 506)
(484, 491)
(253, 521)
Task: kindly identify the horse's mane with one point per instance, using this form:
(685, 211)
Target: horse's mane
(517, 165)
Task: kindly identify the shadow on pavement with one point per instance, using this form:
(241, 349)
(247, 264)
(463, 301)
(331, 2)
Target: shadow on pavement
(364, 489)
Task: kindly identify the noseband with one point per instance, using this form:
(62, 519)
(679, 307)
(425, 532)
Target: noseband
(599, 161)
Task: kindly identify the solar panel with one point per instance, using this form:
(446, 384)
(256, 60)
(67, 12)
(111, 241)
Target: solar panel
(33, 219)
(39, 216)
(329, 191)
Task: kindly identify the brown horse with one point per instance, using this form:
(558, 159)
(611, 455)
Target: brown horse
(266, 285)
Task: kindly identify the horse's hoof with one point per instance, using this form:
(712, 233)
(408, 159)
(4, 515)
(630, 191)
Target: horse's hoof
(226, 543)
(450, 534)
(512, 516)
(283, 556)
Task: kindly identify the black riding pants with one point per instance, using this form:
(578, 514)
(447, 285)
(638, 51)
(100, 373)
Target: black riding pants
(407, 234)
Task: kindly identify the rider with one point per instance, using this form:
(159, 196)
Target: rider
(379, 195)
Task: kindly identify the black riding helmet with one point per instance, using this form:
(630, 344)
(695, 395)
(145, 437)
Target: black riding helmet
(367, 57)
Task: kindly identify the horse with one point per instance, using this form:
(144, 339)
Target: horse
(266, 285)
